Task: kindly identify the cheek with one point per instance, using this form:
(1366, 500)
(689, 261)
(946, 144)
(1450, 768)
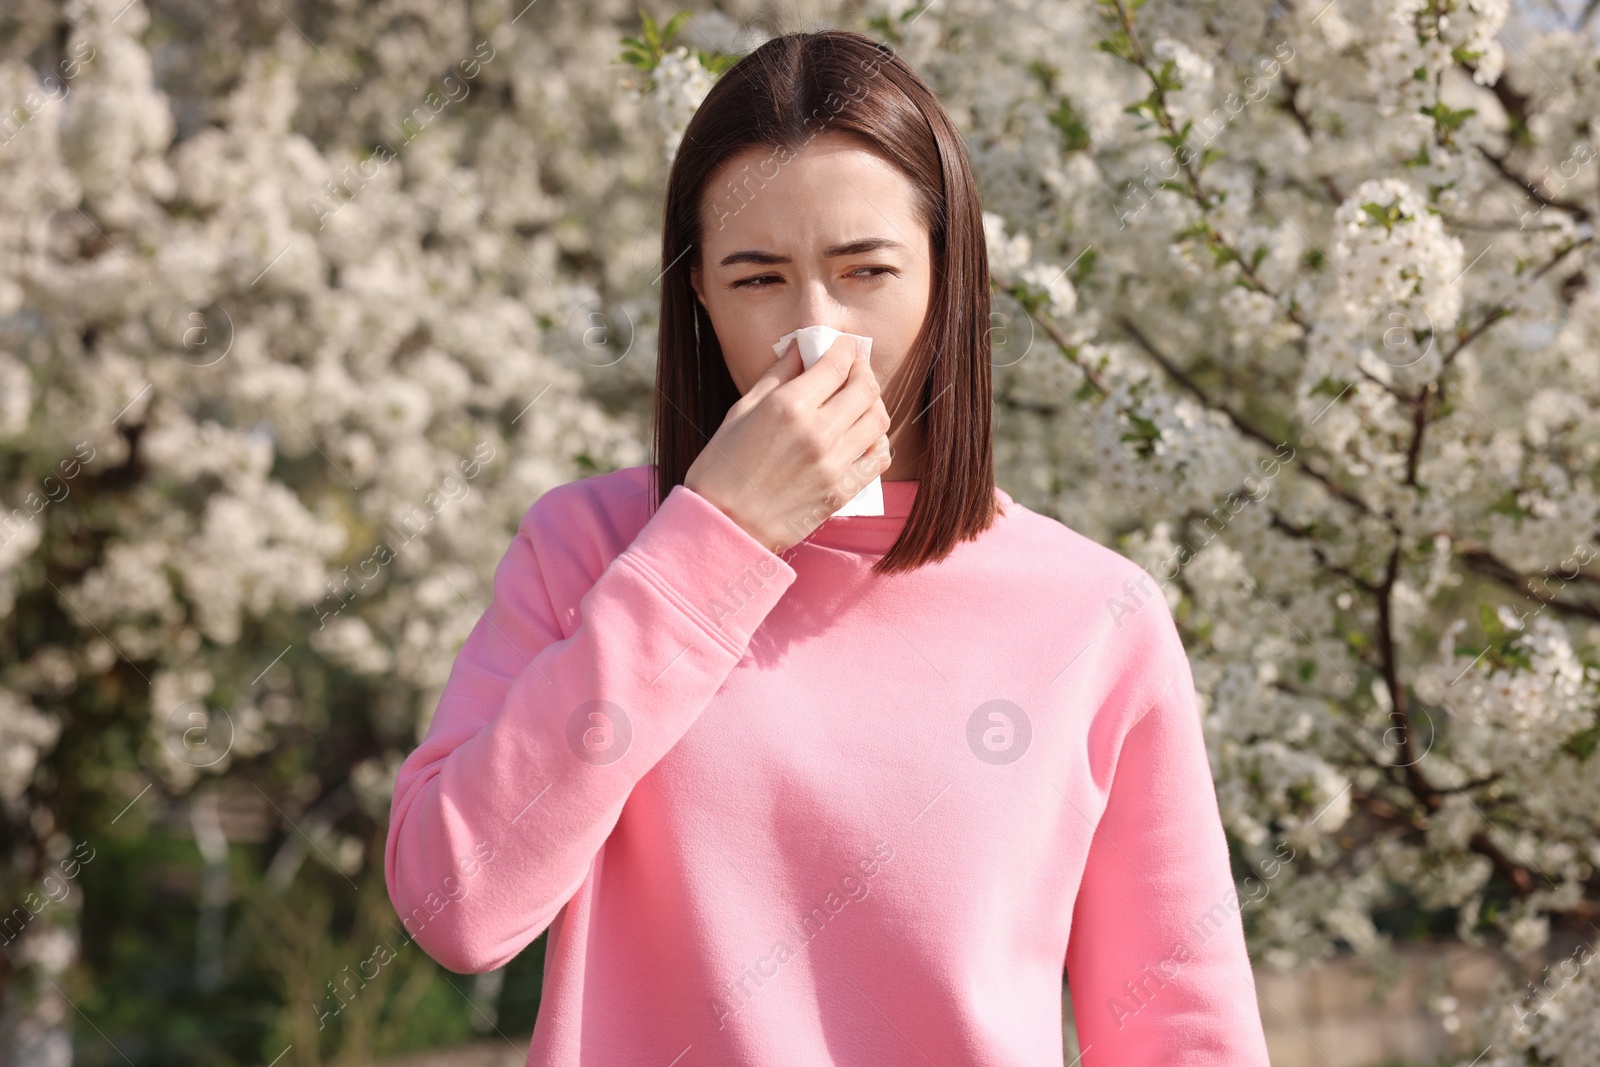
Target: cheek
(746, 341)
(897, 324)
(748, 366)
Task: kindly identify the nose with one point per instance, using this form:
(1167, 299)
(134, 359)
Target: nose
(818, 306)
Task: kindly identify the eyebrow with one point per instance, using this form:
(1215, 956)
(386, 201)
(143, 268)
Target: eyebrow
(848, 248)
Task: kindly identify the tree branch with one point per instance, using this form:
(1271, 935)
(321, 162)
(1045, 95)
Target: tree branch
(1575, 209)
(1486, 563)
(1239, 422)
(1503, 311)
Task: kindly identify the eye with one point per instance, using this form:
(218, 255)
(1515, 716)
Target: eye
(765, 281)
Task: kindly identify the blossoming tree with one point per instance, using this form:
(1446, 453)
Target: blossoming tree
(297, 318)
(302, 305)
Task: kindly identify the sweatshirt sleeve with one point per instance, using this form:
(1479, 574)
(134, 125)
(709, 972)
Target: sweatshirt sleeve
(539, 738)
(1156, 962)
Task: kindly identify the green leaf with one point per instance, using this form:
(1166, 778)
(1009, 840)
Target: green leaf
(879, 24)
(636, 54)
(1085, 265)
(674, 24)
(1490, 622)
(1032, 299)
(1145, 433)
(1149, 107)
(1166, 79)
(1583, 743)
(1117, 44)
(1384, 216)
(1074, 131)
(1447, 118)
(1504, 651)
(1330, 386)
(716, 62)
(1507, 505)
(645, 51)
(1518, 130)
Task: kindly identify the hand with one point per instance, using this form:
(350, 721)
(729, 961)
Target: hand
(797, 446)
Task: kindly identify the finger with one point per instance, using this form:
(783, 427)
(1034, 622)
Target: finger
(860, 439)
(858, 395)
(786, 368)
(828, 375)
(878, 449)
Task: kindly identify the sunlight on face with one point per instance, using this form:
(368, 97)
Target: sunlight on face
(833, 239)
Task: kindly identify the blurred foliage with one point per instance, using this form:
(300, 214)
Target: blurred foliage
(285, 951)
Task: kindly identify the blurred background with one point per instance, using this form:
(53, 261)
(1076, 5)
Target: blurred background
(302, 305)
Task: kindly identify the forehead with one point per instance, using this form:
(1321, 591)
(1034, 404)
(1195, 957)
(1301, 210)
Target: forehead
(836, 187)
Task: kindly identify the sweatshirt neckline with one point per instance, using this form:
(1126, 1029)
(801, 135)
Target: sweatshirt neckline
(875, 533)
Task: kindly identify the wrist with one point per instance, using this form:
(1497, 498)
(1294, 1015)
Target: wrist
(752, 530)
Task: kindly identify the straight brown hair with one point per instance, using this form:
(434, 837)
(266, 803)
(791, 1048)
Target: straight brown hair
(779, 97)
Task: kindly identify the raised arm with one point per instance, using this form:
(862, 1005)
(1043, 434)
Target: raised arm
(538, 739)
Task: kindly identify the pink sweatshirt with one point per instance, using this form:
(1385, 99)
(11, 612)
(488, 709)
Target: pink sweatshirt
(776, 810)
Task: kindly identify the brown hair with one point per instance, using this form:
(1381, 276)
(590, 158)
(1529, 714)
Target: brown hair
(783, 94)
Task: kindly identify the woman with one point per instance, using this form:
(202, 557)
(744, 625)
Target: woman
(790, 787)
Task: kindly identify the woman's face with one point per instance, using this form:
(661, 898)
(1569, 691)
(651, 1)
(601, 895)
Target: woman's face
(832, 238)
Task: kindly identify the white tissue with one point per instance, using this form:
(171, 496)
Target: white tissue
(813, 341)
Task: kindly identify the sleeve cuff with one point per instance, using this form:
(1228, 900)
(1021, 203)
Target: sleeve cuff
(718, 574)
